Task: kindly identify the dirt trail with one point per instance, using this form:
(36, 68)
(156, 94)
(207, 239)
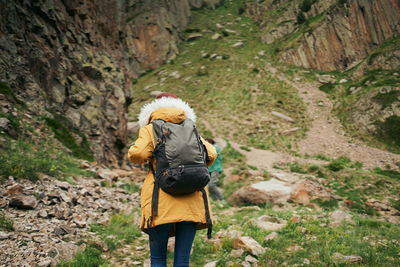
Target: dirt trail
(326, 135)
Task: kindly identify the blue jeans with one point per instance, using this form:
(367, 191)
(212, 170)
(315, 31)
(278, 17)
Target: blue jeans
(158, 239)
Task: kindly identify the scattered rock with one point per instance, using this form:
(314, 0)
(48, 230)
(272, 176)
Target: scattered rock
(238, 44)
(326, 79)
(295, 219)
(23, 202)
(216, 36)
(271, 236)
(4, 236)
(236, 253)
(194, 36)
(339, 216)
(107, 175)
(211, 264)
(133, 127)
(291, 131)
(249, 244)
(342, 259)
(263, 223)
(251, 259)
(300, 196)
(14, 189)
(282, 116)
(44, 263)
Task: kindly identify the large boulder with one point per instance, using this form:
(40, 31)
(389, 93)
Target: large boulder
(72, 61)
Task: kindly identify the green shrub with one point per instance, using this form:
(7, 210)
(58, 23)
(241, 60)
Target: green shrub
(23, 160)
(305, 6)
(6, 223)
(90, 257)
(327, 204)
(121, 227)
(389, 173)
(230, 154)
(301, 18)
(131, 187)
(5, 90)
(327, 87)
(63, 134)
(338, 164)
(387, 99)
(389, 130)
(295, 167)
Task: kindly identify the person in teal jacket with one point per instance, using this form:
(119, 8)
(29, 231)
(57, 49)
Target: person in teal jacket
(215, 170)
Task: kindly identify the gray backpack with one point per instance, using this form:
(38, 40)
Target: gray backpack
(180, 162)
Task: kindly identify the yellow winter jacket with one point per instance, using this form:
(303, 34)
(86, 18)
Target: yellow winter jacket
(171, 209)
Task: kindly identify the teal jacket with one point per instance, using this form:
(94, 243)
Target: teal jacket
(217, 166)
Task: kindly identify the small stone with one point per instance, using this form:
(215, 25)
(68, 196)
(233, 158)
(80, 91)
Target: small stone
(63, 230)
(15, 189)
(216, 36)
(238, 44)
(251, 259)
(271, 236)
(282, 116)
(23, 202)
(63, 185)
(236, 253)
(44, 263)
(42, 213)
(342, 259)
(291, 131)
(295, 219)
(249, 244)
(85, 165)
(146, 263)
(306, 261)
(4, 236)
(211, 264)
(194, 36)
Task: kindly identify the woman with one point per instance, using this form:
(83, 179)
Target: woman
(177, 215)
(215, 170)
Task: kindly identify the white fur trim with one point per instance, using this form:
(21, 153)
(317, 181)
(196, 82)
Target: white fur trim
(164, 102)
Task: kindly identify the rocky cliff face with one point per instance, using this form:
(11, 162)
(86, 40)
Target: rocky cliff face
(339, 34)
(73, 61)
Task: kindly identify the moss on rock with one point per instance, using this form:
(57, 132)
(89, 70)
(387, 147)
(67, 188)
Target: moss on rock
(62, 134)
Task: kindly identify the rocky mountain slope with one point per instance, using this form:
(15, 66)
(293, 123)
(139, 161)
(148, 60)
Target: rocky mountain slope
(73, 61)
(326, 35)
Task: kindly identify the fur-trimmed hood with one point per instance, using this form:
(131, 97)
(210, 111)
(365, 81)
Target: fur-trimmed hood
(164, 102)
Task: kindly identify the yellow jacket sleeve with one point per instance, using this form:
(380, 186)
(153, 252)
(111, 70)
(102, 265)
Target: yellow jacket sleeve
(142, 150)
(212, 153)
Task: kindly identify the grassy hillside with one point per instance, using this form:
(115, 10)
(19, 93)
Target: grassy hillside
(231, 89)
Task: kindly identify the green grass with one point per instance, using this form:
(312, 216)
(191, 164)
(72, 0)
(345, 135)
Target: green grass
(131, 187)
(235, 98)
(24, 159)
(6, 223)
(5, 90)
(90, 257)
(63, 134)
(375, 241)
(120, 229)
(338, 164)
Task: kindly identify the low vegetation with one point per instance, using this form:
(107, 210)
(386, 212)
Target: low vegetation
(230, 88)
(6, 224)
